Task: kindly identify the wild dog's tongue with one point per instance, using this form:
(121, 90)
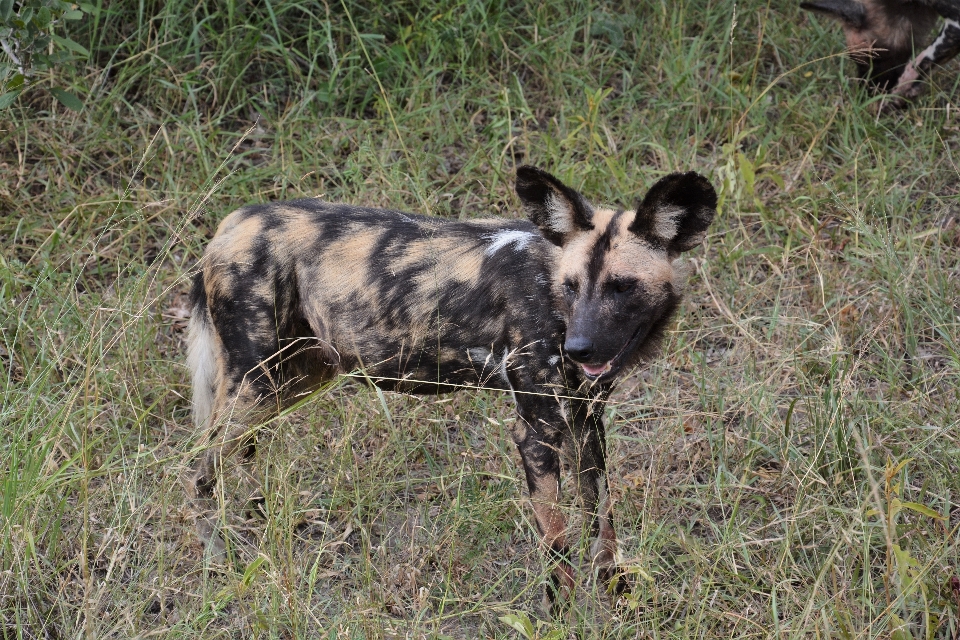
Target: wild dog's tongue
(594, 370)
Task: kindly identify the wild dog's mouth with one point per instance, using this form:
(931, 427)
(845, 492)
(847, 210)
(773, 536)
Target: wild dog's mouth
(594, 372)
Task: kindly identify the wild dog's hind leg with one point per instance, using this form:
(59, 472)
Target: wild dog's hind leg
(235, 388)
(231, 431)
(590, 453)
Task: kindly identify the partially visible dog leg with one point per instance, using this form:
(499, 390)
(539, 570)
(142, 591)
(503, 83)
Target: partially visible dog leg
(539, 442)
(222, 441)
(235, 388)
(590, 454)
(911, 81)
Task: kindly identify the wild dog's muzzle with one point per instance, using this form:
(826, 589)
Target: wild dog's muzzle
(582, 350)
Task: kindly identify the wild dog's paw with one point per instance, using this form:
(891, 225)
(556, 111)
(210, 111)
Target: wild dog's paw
(559, 589)
(887, 105)
(256, 507)
(676, 212)
(615, 581)
(910, 85)
(199, 490)
(211, 537)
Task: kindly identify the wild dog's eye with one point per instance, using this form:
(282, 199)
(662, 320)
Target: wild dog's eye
(623, 286)
(570, 287)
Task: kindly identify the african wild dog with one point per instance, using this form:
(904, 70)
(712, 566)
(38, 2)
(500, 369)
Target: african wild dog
(553, 310)
(882, 36)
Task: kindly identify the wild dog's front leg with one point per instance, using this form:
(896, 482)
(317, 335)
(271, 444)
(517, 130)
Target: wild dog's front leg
(910, 83)
(539, 444)
(590, 453)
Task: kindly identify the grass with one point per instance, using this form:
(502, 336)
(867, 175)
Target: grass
(789, 468)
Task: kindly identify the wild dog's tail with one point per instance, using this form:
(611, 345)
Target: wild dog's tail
(201, 357)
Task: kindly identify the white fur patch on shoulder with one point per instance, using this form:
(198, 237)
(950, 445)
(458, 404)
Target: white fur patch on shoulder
(665, 224)
(500, 239)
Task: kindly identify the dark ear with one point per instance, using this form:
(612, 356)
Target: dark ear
(551, 205)
(676, 212)
(850, 12)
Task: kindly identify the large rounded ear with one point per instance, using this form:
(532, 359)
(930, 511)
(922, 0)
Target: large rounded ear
(551, 205)
(850, 12)
(676, 212)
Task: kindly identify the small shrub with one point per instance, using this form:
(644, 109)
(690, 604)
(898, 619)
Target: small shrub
(31, 47)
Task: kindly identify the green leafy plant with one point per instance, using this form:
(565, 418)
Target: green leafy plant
(738, 174)
(588, 127)
(904, 573)
(521, 622)
(31, 46)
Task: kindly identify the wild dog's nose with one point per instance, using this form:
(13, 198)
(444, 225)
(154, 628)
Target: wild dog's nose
(579, 348)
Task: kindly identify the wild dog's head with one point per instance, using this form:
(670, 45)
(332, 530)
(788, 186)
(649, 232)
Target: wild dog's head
(881, 34)
(616, 279)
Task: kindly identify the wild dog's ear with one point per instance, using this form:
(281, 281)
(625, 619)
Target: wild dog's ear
(676, 212)
(551, 205)
(850, 12)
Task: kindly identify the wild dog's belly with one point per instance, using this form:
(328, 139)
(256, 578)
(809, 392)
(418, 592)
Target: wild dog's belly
(423, 372)
(418, 355)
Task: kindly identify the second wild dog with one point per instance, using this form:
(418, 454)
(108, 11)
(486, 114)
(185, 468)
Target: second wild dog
(882, 36)
(553, 309)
